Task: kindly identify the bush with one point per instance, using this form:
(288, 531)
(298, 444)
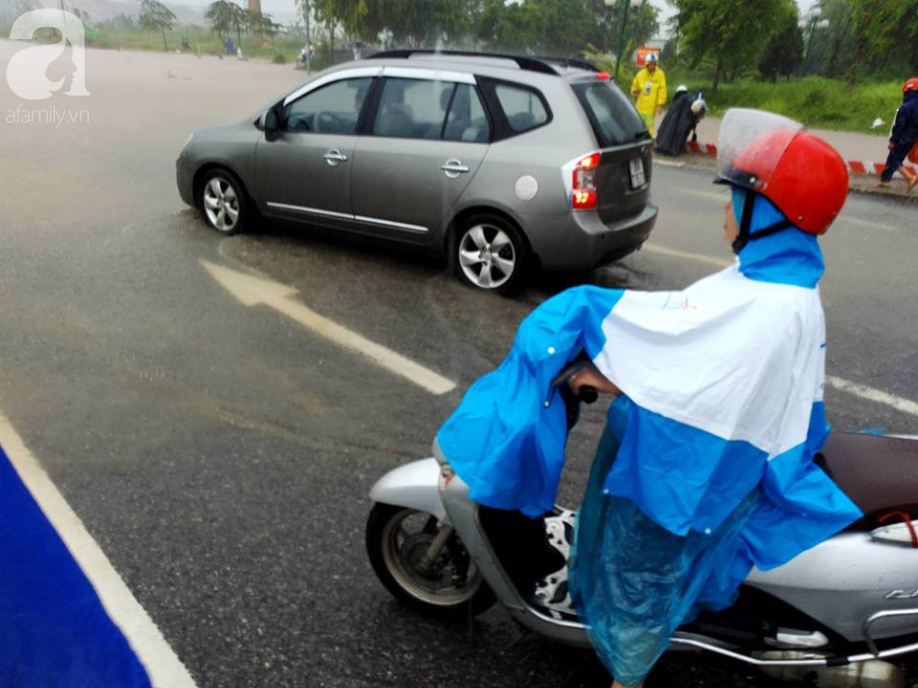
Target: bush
(814, 101)
(279, 58)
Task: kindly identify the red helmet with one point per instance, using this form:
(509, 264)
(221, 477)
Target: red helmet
(910, 85)
(800, 173)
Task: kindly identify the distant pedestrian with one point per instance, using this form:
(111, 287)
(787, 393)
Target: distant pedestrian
(681, 120)
(904, 136)
(681, 92)
(228, 46)
(649, 89)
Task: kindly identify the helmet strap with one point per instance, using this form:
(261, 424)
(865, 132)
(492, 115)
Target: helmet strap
(745, 222)
(745, 232)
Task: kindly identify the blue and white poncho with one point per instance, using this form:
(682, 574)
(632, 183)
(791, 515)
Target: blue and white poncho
(725, 380)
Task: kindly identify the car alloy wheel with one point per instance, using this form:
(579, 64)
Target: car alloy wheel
(487, 256)
(222, 204)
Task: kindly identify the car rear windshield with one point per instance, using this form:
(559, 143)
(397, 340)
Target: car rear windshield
(614, 119)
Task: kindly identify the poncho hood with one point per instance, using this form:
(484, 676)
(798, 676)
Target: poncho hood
(790, 257)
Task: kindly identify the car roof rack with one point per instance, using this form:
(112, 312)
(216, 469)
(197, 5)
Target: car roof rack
(544, 65)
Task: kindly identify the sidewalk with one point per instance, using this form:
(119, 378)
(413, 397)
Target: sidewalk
(864, 153)
(852, 146)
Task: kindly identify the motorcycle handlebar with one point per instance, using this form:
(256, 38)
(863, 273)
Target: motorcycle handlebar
(587, 395)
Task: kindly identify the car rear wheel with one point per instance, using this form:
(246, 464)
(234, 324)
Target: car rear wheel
(222, 202)
(489, 253)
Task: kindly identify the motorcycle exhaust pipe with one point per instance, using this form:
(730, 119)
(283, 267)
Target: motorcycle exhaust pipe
(872, 674)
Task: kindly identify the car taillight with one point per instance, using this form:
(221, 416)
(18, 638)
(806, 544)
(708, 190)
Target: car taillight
(584, 186)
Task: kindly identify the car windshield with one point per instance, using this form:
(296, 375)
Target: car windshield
(613, 117)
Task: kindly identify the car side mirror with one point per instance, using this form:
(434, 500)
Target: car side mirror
(271, 123)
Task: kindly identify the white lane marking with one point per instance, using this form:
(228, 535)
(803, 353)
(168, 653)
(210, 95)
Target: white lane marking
(875, 395)
(163, 666)
(700, 257)
(251, 291)
(667, 163)
(867, 223)
(720, 197)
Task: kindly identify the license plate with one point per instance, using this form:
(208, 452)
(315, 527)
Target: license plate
(636, 167)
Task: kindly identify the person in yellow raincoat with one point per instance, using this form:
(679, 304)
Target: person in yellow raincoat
(649, 88)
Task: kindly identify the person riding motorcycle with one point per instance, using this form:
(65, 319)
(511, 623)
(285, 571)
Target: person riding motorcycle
(705, 468)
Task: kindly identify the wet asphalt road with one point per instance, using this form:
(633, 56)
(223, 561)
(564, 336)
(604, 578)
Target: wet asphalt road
(221, 455)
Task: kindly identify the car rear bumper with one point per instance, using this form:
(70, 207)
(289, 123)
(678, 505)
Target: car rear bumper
(581, 240)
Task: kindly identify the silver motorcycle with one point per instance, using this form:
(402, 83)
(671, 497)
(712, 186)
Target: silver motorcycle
(835, 612)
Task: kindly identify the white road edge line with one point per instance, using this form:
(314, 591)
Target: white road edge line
(163, 666)
(875, 395)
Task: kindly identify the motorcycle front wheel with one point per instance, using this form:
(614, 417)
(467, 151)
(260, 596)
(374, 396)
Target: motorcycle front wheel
(441, 582)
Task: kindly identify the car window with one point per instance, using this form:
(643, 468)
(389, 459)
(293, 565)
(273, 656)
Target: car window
(522, 106)
(611, 113)
(413, 108)
(467, 120)
(332, 109)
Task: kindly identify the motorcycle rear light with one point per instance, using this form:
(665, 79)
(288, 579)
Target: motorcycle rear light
(583, 196)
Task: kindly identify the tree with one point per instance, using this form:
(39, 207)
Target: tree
(225, 17)
(729, 32)
(155, 16)
(643, 24)
(839, 45)
(219, 15)
(906, 23)
(784, 52)
(501, 26)
(264, 25)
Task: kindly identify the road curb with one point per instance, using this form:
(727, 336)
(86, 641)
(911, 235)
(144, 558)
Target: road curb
(861, 172)
(857, 168)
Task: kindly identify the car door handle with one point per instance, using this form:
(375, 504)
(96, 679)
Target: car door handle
(334, 157)
(453, 168)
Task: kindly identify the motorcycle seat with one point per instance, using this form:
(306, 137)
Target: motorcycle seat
(879, 474)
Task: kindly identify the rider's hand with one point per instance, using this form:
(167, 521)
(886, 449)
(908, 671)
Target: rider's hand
(589, 376)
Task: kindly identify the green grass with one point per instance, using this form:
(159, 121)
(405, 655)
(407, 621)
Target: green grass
(814, 101)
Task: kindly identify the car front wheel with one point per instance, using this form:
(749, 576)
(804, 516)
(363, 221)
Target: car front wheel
(488, 253)
(222, 202)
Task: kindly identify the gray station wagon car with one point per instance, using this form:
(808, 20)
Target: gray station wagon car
(501, 163)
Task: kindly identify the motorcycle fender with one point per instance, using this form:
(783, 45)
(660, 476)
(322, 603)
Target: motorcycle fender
(415, 486)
